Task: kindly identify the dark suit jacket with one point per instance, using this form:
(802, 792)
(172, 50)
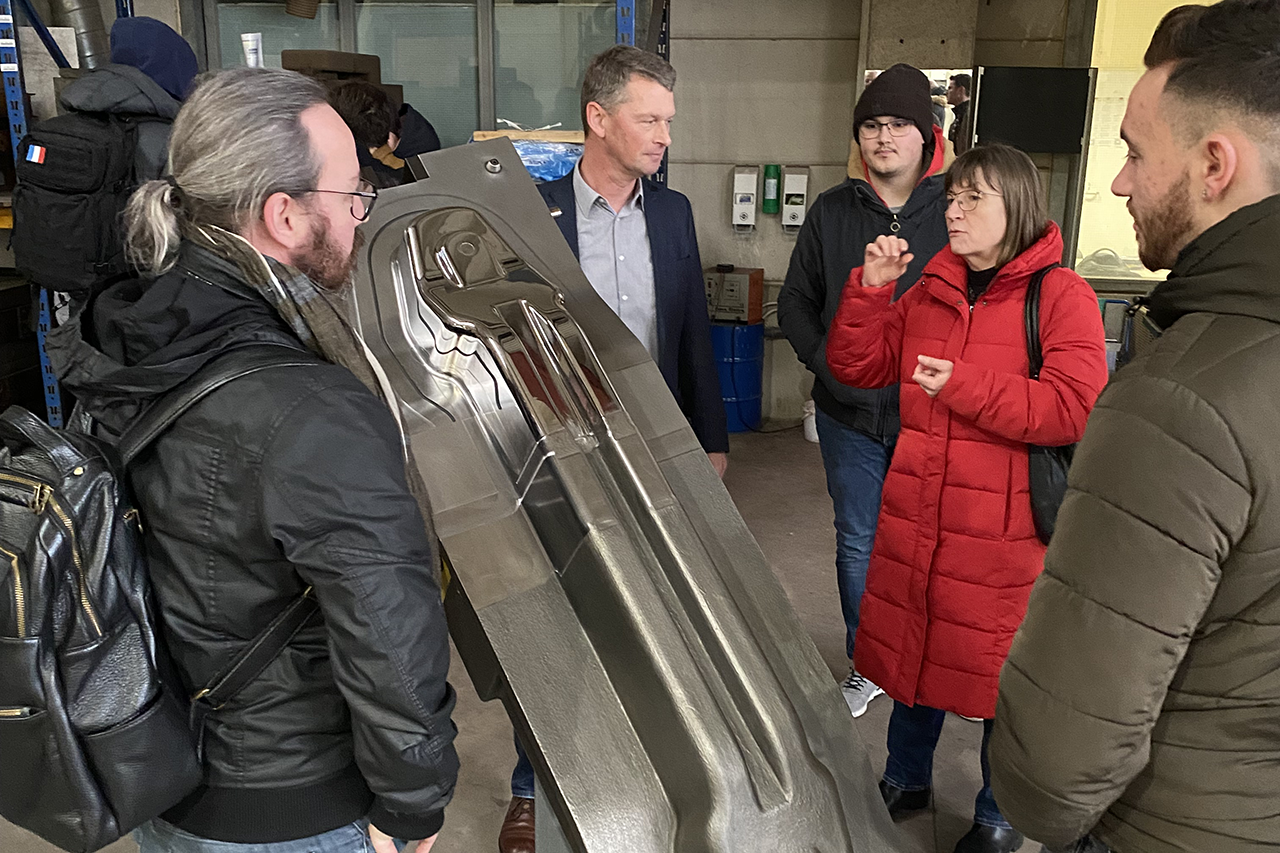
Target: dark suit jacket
(684, 330)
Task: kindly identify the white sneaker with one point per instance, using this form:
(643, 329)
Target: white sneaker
(858, 693)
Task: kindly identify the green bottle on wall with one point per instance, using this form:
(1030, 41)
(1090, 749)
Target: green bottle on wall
(772, 175)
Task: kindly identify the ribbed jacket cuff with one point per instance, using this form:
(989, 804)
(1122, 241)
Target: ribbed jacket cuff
(403, 826)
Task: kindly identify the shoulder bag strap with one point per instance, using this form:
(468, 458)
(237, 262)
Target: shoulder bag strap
(1031, 317)
(227, 368)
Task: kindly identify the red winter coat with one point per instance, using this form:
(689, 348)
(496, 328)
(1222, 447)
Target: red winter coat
(956, 550)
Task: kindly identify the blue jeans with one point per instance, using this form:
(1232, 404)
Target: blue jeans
(522, 776)
(913, 736)
(157, 836)
(856, 464)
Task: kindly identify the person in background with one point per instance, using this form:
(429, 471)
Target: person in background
(375, 124)
(634, 238)
(958, 97)
(1140, 707)
(417, 135)
(899, 191)
(636, 243)
(66, 233)
(938, 97)
(957, 552)
(386, 135)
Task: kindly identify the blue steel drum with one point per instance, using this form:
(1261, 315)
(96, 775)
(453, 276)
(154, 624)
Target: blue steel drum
(739, 351)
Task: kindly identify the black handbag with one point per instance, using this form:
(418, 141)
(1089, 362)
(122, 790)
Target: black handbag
(1047, 466)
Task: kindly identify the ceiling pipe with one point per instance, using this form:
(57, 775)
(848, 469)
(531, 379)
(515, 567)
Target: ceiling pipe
(85, 16)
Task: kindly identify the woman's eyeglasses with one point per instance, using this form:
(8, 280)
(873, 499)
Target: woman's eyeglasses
(968, 199)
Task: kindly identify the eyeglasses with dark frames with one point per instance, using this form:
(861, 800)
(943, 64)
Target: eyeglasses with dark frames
(870, 128)
(362, 198)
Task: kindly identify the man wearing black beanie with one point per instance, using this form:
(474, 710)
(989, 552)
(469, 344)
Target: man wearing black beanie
(899, 192)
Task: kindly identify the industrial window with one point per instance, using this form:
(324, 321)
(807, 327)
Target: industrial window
(1107, 248)
(464, 64)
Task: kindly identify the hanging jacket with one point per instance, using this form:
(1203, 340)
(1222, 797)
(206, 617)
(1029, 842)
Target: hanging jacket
(832, 241)
(1141, 699)
(956, 550)
(125, 91)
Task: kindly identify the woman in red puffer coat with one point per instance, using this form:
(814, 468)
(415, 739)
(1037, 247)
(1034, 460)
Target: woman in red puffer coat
(956, 550)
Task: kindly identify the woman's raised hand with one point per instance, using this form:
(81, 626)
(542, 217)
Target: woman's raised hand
(886, 259)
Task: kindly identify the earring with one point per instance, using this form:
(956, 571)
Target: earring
(1204, 194)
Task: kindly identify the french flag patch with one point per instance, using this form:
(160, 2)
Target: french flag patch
(35, 154)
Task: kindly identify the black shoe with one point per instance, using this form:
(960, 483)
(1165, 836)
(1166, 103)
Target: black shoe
(902, 803)
(990, 839)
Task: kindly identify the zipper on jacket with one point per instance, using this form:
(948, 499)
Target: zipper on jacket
(41, 499)
(895, 226)
(15, 713)
(19, 594)
(134, 516)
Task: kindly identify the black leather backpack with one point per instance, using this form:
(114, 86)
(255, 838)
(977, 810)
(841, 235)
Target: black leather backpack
(95, 734)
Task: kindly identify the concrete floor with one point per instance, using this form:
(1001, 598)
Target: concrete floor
(777, 481)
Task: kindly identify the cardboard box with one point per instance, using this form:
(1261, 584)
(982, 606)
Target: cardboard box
(572, 136)
(333, 64)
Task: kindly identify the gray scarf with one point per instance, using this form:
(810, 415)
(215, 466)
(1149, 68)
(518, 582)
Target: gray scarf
(319, 323)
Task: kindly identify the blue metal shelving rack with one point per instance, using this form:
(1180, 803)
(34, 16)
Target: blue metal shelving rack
(627, 22)
(16, 107)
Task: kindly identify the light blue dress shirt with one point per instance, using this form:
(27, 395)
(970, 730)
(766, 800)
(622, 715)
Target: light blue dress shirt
(613, 251)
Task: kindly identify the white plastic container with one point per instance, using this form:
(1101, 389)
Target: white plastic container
(252, 44)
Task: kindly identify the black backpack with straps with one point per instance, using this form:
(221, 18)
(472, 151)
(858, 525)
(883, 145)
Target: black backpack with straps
(95, 734)
(75, 173)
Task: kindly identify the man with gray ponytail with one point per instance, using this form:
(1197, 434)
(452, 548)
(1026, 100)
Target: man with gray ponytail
(292, 478)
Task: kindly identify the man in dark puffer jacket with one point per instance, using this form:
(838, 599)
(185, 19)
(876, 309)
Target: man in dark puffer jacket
(1139, 708)
(284, 479)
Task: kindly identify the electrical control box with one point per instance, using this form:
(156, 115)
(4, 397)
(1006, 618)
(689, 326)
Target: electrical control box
(735, 293)
(746, 181)
(795, 195)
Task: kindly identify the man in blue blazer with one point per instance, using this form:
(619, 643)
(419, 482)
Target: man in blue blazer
(607, 202)
(635, 241)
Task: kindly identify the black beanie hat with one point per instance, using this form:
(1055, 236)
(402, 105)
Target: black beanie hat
(901, 91)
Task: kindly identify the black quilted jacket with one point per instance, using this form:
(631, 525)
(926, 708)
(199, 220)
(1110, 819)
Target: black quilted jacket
(286, 478)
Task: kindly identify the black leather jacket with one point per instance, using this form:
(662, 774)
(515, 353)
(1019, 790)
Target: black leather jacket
(286, 478)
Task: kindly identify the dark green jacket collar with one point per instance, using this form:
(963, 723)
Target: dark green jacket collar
(1232, 268)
